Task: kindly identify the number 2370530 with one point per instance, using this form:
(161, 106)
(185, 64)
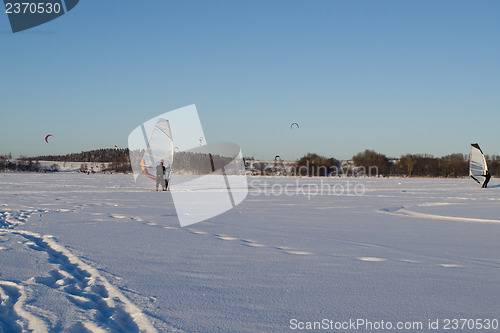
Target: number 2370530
(32, 8)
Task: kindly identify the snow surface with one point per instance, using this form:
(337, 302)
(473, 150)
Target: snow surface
(96, 253)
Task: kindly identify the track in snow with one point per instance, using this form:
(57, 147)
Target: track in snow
(103, 307)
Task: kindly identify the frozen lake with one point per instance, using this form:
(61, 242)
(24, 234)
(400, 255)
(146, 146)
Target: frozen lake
(95, 253)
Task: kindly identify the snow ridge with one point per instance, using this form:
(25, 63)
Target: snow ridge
(402, 211)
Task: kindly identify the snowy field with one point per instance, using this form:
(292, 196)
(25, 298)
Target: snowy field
(95, 253)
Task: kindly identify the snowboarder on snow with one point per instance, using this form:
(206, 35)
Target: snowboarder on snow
(487, 177)
(160, 179)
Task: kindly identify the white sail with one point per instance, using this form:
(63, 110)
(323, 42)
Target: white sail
(160, 149)
(477, 164)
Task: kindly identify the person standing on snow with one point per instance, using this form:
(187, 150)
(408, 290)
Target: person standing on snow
(487, 177)
(160, 179)
(167, 173)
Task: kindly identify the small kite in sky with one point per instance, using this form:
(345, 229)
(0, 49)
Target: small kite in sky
(47, 137)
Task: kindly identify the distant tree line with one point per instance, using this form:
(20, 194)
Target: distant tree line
(454, 165)
(98, 155)
(316, 165)
(371, 163)
(367, 163)
(201, 163)
(117, 158)
(23, 165)
(422, 165)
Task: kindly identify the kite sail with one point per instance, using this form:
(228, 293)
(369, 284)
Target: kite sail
(279, 168)
(47, 137)
(160, 149)
(477, 165)
(291, 126)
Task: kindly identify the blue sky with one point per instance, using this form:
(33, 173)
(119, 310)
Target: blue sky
(394, 76)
